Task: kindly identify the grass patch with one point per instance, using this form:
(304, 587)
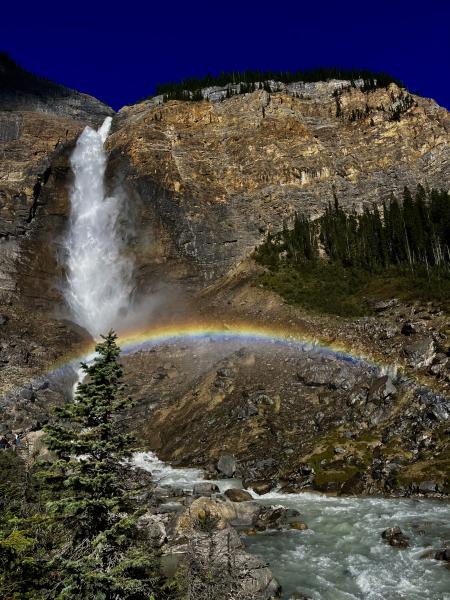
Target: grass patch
(324, 478)
(330, 288)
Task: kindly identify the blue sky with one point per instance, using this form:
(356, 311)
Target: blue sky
(118, 52)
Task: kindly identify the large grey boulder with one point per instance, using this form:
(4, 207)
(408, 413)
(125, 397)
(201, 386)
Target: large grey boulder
(205, 489)
(152, 527)
(227, 465)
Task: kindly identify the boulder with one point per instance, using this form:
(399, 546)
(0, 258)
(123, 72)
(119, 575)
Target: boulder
(304, 476)
(420, 353)
(205, 488)
(437, 407)
(306, 470)
(226, 465)
(151, 527)
(245, 513)
(299, 525)
(383, 305)
(236, 495)
(327, 373)
(440, 364)
(271, 517)
(42, 384)
(381, 388)
(427, 487)
(221, 512)
(261, 486)
(395, 537)
(443, 554)
(222, 551)
(247, 410)
(27, 393)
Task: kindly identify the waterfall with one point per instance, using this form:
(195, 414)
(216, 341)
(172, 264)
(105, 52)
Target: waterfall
(99, 275)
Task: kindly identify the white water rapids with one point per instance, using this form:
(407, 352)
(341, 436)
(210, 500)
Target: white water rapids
(99, 275)
(342, 556)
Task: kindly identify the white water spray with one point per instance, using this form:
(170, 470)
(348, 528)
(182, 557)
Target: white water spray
(99, 286)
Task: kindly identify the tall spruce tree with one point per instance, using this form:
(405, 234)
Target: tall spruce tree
(103, 557)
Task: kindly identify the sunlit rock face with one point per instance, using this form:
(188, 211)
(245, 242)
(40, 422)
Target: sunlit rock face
(217, 175)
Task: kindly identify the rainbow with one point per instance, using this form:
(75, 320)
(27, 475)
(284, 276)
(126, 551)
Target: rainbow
(215, 331)
(247, 332)
(250, 332)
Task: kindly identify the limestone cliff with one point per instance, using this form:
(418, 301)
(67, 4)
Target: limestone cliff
(219, 174)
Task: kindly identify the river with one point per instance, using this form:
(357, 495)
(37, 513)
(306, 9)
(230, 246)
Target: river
(342, 555)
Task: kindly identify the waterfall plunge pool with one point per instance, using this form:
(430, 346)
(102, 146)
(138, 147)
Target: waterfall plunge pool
(342, 556)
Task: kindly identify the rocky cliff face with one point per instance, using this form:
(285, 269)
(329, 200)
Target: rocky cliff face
(219, 174)
(38, 119)
(211, 177)
(39, 124)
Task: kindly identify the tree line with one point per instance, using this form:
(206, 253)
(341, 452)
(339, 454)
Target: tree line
(251, 80)
(412, 234)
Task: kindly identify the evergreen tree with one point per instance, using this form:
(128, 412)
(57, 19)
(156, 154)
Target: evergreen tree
(103, 557)
(24, 535)
(413, 234)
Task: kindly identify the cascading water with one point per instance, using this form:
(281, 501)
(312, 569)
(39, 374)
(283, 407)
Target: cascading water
(99, 286)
